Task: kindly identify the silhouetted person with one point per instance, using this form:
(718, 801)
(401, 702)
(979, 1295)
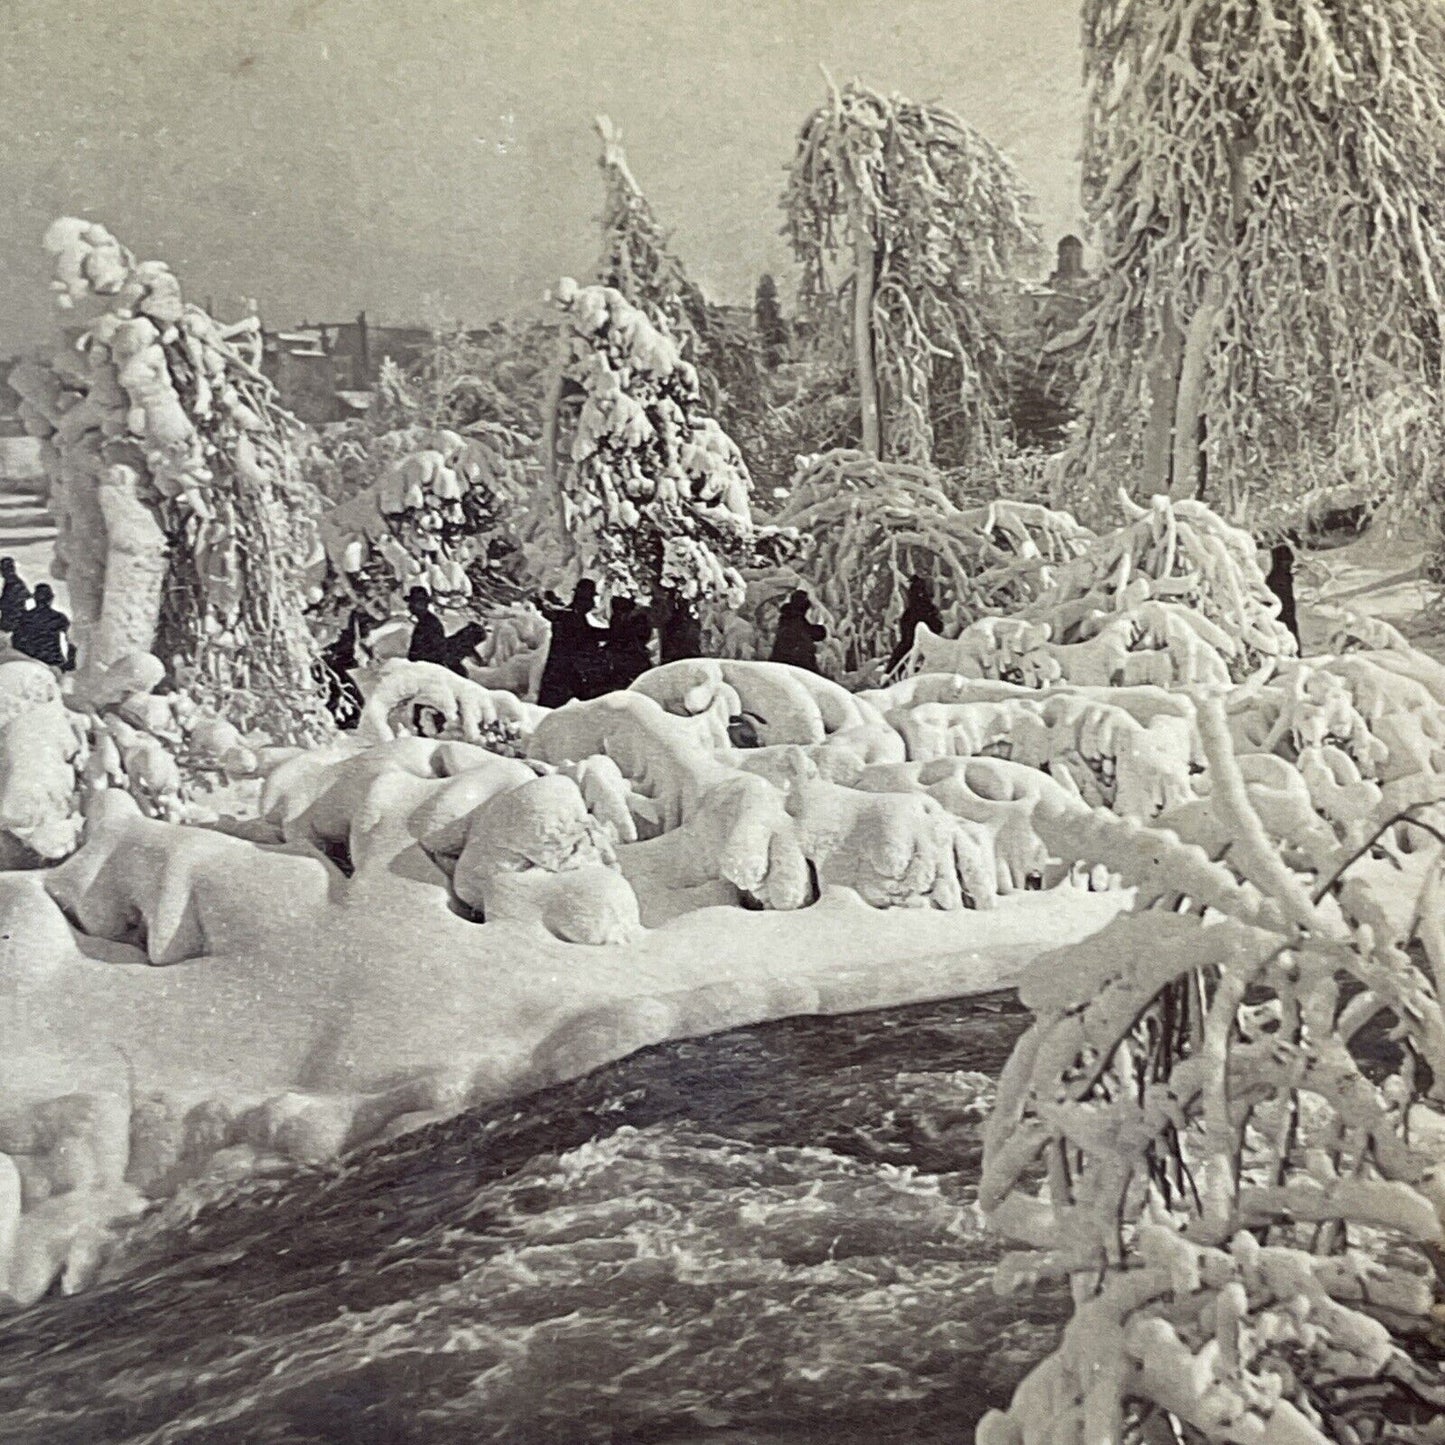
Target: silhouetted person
(918, 608)
(428, 636)
(40, 632)
(1280, 581)
(680, 633)
(797, 639)
(339, 661)
(461, 644)
(626, 651)
(13, 595)
(574, 656)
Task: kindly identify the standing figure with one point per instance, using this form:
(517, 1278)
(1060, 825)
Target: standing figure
(918, 608)
(13, 595)
(338, 662)
(574, 655)
(428, 636)
(462, 645)
(797, 639)
(680, 631)
(626, 650)
(1280, 581)
(40, 632)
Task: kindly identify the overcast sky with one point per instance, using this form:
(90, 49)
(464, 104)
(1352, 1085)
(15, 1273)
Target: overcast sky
(429, 159)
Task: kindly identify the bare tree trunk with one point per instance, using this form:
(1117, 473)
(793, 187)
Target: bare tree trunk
(551, 415)
(1187, 478)
(1163, 392)
(863, 338)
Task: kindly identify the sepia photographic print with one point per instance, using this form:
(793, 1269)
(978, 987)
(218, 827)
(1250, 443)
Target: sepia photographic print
(722, 722)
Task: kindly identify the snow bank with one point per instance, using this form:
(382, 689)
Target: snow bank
(407, 924)
(304, 1012)
(401, 925)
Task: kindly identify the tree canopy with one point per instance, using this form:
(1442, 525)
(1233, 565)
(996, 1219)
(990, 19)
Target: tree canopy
(1264, 182)
(906, 223)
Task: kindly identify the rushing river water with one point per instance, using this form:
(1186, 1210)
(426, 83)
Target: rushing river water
(762, 1237)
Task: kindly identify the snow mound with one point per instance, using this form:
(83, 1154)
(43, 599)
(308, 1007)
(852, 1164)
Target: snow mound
(400, 925)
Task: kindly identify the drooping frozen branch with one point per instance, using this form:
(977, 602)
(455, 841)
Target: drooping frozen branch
(1263, 180)
(909, 226)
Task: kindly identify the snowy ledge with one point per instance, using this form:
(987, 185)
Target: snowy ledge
(122, 1083)
(353, 1001)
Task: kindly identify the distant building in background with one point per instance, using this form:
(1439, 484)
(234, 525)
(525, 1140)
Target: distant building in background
(1069, 273)
(1065, 296)
(1044, 378)
(326, 373)
(322, 373)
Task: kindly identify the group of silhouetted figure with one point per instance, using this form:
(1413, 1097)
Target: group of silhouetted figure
(584, 660)
(33, 624)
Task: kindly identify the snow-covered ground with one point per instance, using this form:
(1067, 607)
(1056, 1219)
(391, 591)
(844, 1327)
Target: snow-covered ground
(1377, 576)
(177, 1000)
(394, 992)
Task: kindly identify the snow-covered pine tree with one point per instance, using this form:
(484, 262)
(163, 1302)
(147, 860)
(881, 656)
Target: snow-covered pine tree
(907, 224)
(653, 495)
(437, 486)
(432, 508)
(636, 257)
(637, 260)
(1264, 182)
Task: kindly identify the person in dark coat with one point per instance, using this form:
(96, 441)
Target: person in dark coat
(797, 639)
(1280, 581)
(40, 632)
(574, 656)
(13, 595)
(680, 631)
(918, 608)
(626, 650)
(462, 644)
(428, 636)
(338, 662)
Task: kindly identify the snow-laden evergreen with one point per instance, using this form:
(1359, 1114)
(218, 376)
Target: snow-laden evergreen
(654, 497)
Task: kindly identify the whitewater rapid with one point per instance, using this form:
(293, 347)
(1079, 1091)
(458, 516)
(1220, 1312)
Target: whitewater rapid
(765, 1236)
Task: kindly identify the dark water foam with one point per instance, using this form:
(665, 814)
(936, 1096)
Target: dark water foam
(761, 1237)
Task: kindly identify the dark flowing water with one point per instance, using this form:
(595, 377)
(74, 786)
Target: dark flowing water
(761, 1237)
